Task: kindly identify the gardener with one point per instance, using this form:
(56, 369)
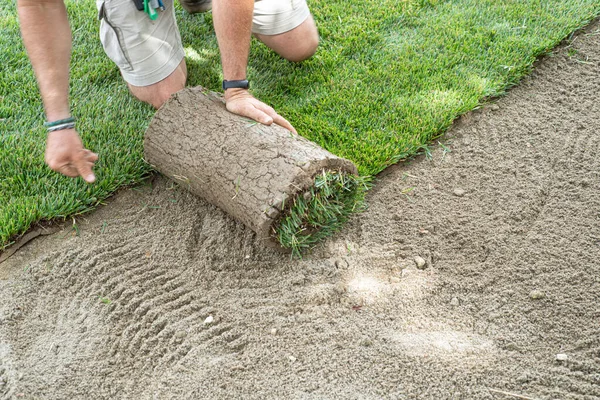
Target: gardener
(150, 57)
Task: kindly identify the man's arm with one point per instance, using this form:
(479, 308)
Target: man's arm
(233, 27)
(47, 38)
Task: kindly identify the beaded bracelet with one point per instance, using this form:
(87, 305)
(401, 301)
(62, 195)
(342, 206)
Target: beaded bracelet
(59, 125)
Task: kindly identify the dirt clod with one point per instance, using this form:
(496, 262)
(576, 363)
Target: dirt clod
(458, 192)
(420, 262)
(537, 294)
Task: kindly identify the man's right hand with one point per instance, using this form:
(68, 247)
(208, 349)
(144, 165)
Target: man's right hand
(65, 154)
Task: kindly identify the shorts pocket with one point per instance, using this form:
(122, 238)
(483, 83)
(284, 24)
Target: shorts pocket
(113, 40)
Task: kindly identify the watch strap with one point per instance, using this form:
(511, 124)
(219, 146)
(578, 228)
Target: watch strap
(243, 84)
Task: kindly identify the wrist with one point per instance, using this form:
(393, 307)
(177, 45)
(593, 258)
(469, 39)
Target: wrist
(56, 106)
(60, 124)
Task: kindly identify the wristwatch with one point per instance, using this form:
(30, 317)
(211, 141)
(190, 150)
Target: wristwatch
(236, 84)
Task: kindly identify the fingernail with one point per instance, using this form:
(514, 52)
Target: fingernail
(90, 178)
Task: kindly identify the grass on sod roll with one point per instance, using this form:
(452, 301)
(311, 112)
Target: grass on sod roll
(332, 199)
(389, 76)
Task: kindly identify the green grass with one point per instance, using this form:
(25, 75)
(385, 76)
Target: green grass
(327, 207)
(389, 76)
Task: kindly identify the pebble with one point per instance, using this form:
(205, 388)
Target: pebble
(562, 357)
(292, 358)
(513, 347)
(459, 192)
(209, 320)
(420, 261)
(394, 279)
(180, 334)
(274, 331)
(454, 301)
(537, 294)
(494, 107)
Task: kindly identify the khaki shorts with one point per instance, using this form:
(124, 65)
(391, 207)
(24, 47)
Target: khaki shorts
(148, 51)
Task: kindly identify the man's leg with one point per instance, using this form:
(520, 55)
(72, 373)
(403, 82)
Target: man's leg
(149, 53)
(286, 27)
(296, 45)
(158, 93)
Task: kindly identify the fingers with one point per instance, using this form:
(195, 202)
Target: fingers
(65, 154)
(249, 110)
(279, 120)
(67, 170)
(260, 112)
(84, 165)
(81, 166)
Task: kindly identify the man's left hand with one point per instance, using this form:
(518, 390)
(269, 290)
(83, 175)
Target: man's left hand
(241, 102)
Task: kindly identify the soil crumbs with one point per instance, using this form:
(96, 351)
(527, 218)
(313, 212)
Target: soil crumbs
(474, 274)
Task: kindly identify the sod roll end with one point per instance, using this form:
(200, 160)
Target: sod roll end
(260, 175)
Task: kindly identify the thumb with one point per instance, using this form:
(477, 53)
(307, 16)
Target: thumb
(84, 168)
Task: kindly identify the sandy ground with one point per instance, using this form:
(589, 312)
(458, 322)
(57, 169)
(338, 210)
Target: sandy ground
(161, 296)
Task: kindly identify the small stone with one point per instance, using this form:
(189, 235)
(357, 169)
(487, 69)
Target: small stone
(406, 272)
(209, 320)
(420, 261)
(562, 357)
(292, 358)
(274, 331)
(458, 192)
(180, 334)
(454, 302)
(366, 343)
(394, 279)
(494, 107)
(512, 347)
(537, 294)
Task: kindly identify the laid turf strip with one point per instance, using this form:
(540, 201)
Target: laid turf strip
(389, 76)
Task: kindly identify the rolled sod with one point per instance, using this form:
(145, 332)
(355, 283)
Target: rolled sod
(285, 188)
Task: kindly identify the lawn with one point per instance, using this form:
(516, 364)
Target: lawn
(389, 77)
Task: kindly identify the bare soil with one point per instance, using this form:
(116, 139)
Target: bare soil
(474, 274)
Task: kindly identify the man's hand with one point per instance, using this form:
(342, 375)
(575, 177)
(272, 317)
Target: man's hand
(65, 154)
(241, 102)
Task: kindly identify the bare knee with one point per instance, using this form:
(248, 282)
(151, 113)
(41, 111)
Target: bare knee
(296, 45)
(158, 93)
(304, 51)
(155, 95)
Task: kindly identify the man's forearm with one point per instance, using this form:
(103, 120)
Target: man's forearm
(47, 38)
(233, 26)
